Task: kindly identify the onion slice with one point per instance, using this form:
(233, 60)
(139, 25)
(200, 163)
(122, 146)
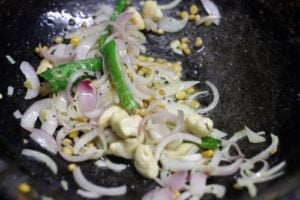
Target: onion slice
(170, 5)
(42, 158)
(172, 25)
(87, 185)
(31, 114)
(211, 8)
(32, 79)
(216, 98)
(87, 97)
(45, 140)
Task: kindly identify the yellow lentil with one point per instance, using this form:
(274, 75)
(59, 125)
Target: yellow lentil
(24, 188)
(75, 41)
(180, 95)
(71, 167)
(187, 51)
(58, 39)
(184, 14)
(73, 134)
(194, 9)
(208, 153)
(67, 151)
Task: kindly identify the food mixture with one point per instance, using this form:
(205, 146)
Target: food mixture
(103, 95)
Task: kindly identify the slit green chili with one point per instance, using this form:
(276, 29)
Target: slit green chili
(58, 77)
(112, 60)
(207, 143)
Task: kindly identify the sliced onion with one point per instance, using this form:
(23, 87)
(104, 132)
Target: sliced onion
(83, 140)
(32, 78)
(168, 139)
(123, 19)
(31, 114)
(85, 46)
(272, 149)
(88, 194)
(254, 137)
(110, 165)
(87, 97)
(216, 98)
(172, 25)
(175, 86)
(42, 158)
(49, 121)
(158, 193)
(61, 102)
(228, 169)
(83, 157)
(211, 8)
(64, 184)
(218, 190)
(173, 108)
(170, 5)
(45, 140)
(75, 76)
(178, 165)
(216, 133)
(197, 183)
(62, 54)
(81, 180)
(177, 181)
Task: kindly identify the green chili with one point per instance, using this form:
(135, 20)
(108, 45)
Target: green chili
(58, 76)
(111, 58)
(114, 68)
(207, 143)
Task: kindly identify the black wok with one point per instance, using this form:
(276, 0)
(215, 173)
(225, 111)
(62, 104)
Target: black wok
(252, 57)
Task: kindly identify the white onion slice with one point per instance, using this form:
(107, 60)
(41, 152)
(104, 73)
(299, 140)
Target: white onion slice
(83, 157)
(110, 165)
(227, 169)
(88, 194)
(64, 184)
(172, 25)
(254, 137)
(49, 120)
(218, 190)
(158, 193)
(83, 140)
(87, 97)
(84, 47)
(31, 114)
(42, 158)
(178, 165)
(197, 183)
(211, 8)
(45, 140)
(177, 181)
(61, 102)
(216, 133)
(272, 149)
(170, 5)
(168, 139)
(175, 86)
(32, 78)
(62, 54)
(75, 76)
(81, 180)
(216, 98)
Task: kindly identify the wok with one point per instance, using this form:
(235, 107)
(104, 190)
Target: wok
(252, 57)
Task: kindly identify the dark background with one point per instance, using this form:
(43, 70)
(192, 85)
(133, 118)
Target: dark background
(252, 57)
